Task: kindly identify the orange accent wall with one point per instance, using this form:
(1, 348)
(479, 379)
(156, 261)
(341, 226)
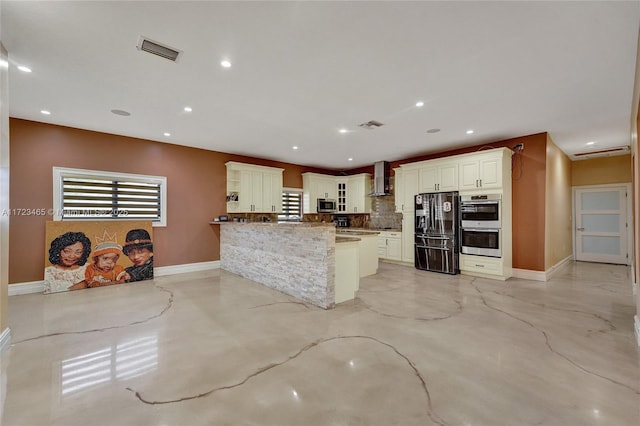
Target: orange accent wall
(196, 188)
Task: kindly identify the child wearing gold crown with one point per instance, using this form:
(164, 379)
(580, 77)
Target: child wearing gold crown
(105, 269)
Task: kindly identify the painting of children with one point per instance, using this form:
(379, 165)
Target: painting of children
(89, 254)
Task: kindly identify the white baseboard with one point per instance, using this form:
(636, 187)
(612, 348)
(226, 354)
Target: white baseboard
(26, 288)
(527, 274)
(636, 327)
(189, 267)
(38, 286)
(5, 339)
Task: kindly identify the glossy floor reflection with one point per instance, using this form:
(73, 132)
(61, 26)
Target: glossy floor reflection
(415, 348)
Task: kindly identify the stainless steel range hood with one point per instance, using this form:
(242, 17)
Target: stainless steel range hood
(381, 172)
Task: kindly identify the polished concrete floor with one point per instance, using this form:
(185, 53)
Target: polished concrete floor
(414, 348)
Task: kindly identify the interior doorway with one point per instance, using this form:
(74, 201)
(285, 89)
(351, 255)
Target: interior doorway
(602, 220)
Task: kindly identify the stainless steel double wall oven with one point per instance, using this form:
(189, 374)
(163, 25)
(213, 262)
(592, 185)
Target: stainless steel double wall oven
(481, 225)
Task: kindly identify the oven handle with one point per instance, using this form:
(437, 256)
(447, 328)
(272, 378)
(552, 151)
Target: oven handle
(492, 230)
(471, 203)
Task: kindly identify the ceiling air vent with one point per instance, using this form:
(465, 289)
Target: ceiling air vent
(156, 48)
(618, 150)
(373, 124)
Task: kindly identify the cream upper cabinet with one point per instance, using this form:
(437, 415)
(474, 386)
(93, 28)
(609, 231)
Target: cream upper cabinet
(358, 190)
(253, 189)
(439, 177)
(317, 186)
(398, 186)
(410, 187)
(341, 200)
(481, 171)
(350, 192)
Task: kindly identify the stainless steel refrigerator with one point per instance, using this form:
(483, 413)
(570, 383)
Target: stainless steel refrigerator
(437, 225)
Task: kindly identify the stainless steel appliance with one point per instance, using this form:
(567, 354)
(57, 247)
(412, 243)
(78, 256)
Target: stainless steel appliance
(436, 232)
(326, 205)
(481, 241)
(481, 211)
(342, 221)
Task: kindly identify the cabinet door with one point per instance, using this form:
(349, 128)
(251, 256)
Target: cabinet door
(327, 188)
(394, 248)
(398, 189)
(429, 179)
(448, 177)
(469, 174)
(271, 193)
(355, 195)
(341, 201)
(257, 192)
(482, 171)
(410, 190)
(408, 250)
(245, 197)
(491, 172)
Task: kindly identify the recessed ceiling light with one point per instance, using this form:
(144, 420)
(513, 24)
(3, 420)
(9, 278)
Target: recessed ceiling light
(167, 134)
(343, 130)
(188, 109)
(121, 112)
(433, 130)
(24, 69)
(349, 159)
(591, 143)
(45, 112)
(419, 104)
(225, 64)
(469, 132)
(295, 147)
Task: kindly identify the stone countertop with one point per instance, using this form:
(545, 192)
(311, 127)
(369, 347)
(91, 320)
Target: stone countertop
(342, 239)
(280, 224)
(370, 230)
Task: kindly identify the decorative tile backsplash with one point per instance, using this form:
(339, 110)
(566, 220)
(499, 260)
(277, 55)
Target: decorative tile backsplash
(383, 213)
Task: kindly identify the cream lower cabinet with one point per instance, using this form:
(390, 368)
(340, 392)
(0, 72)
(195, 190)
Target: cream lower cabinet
(253, 189)
(390, 245)
(408, 237)
(483, 266)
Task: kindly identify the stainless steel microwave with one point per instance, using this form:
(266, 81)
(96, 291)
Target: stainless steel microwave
(326, 205)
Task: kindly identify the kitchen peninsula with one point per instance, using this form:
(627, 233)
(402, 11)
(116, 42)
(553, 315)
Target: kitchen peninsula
(304, 260)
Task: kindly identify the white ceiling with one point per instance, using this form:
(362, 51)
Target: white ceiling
(303, 70)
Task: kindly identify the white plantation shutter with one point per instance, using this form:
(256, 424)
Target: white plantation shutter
(96, 195)
(291, 206)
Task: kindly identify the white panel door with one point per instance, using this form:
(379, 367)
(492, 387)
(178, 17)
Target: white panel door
(601, 224)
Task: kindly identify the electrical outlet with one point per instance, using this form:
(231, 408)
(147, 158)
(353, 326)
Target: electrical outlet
(519, 147)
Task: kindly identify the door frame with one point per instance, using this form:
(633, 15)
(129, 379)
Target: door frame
(629, 218)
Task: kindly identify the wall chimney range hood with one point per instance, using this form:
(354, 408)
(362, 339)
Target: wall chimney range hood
(381, 172)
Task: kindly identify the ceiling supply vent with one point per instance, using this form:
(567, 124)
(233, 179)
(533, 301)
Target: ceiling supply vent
(156, 48)
(373, 124)
(381, 173)
(618, 150)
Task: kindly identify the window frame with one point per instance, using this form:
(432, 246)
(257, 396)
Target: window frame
(281, 217)
(59, 173)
